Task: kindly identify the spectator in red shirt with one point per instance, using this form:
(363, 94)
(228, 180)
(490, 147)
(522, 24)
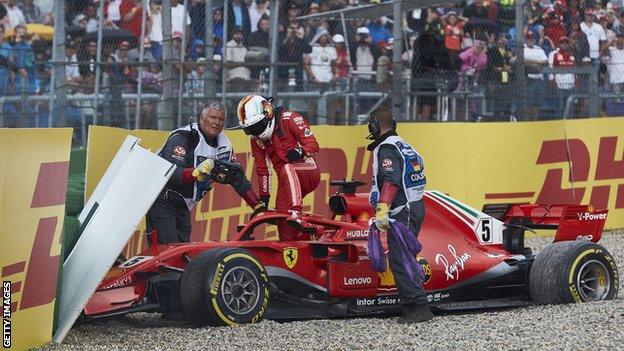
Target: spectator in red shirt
(343, 61)
(554, 29)
(453, 33)
(336, 107)
(131, 16)
(564, 83)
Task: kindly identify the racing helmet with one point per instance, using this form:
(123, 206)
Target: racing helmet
(256, 116)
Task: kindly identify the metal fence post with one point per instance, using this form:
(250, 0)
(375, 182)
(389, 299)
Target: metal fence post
(167, 120)
(58, 73)
(274, 38)
(398, 88)
(594, 108)
(520, 69)
(224, 55)
(137, 116)
(98, 61)
(182, 62)
(209, 78)
(344, 31)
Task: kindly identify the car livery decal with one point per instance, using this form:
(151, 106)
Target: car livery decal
(467, 215)
(290, 254)
(487, 229)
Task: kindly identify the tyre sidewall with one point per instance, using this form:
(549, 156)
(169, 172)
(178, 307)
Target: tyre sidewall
(213, 297)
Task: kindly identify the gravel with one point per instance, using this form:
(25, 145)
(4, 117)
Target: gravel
(587, 326)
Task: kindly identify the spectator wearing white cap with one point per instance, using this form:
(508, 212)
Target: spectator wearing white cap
(343, 61)
(366, 55)
(596, 36)
(322, 58)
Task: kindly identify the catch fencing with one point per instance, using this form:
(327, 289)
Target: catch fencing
(153, 64)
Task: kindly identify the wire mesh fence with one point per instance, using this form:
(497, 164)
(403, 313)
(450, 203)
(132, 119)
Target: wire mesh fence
(153, 63)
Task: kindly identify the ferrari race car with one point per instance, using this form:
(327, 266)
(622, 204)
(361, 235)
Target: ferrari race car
(471, 259)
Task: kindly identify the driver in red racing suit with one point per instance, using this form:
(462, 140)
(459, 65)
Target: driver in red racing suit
(284, 139)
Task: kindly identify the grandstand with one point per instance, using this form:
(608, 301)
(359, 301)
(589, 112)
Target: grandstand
(334, 60)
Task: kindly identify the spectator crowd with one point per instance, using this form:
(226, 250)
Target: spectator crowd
(463, 50)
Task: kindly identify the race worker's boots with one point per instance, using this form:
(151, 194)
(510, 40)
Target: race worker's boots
(415, 314)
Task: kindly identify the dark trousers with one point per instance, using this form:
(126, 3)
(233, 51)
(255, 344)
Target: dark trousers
(411, 291)
(499, 99)
(170, 217)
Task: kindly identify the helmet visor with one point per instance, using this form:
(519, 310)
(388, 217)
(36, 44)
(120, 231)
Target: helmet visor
(258, 128)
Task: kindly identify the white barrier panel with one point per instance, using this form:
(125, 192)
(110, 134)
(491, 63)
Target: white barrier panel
(124, 195)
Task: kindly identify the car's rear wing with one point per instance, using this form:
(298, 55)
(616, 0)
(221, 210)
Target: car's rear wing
(572, 222)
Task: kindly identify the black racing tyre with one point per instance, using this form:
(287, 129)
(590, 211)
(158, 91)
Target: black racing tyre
(224, 287)
(573, 271)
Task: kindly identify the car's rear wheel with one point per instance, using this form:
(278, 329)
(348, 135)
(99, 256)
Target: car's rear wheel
(224, 287)
(573, 271)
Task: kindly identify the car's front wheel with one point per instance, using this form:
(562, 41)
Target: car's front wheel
(224, 287)
(573, 271)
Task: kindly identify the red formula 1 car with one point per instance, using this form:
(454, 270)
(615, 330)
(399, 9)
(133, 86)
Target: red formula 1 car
(471, 259)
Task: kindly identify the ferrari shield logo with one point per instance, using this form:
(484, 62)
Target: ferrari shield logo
(290, 256)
